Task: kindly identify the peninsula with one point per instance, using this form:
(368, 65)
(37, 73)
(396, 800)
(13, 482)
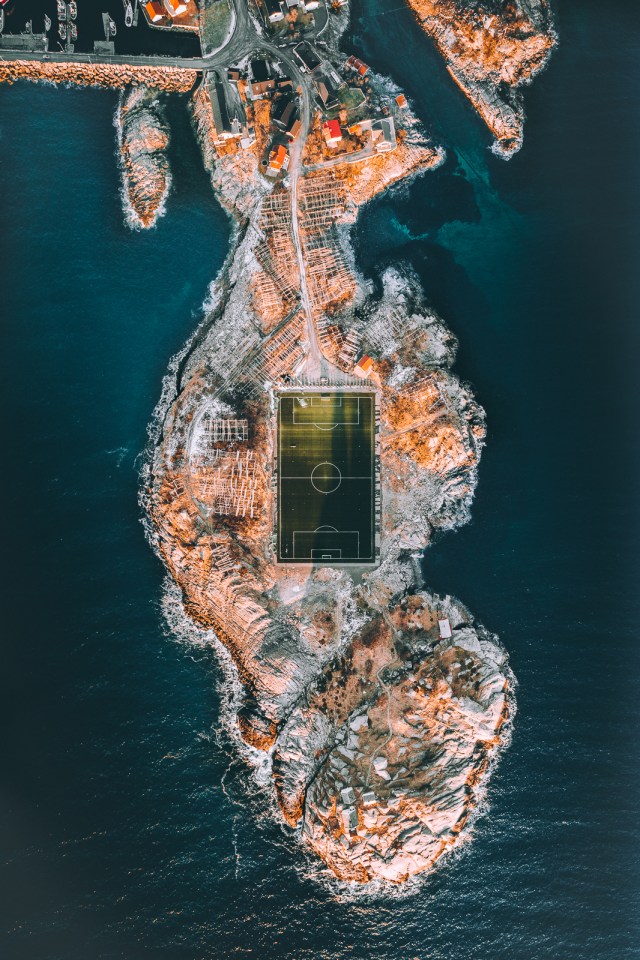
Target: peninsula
(312, 437)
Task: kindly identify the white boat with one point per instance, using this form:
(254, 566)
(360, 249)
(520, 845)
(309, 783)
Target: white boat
(73, 9)
(112, 28)
(73, 31)
(62, 30)
(62, 10)
(128, 13)
(47, 23)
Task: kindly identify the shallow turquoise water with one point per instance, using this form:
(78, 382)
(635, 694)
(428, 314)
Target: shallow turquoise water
(127, 828)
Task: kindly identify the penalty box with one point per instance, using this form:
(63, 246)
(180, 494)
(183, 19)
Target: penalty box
(326, 409)
(326, 477)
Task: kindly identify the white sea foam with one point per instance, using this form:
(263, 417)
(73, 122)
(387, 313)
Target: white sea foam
(131, 218)
(185, 631)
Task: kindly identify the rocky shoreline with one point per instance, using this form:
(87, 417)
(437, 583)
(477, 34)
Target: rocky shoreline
(143, 137)
(491, 54)
(379, 734)
(377, 706)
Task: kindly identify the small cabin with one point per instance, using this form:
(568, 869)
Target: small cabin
(278, 160)
(154, 11)
(363, 367)
(332, 133)
(175, 7)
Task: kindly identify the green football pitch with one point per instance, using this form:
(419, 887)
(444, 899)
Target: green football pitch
(326, 477)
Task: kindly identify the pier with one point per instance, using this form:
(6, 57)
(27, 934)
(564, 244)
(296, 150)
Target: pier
(240, 41)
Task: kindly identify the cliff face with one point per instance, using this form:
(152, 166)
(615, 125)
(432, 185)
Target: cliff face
(143, 136)
(491, 51)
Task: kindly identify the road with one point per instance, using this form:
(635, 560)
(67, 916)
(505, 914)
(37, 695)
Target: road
(315, 360)
(244, 39)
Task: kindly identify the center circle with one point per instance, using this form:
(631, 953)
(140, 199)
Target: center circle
(325, 477)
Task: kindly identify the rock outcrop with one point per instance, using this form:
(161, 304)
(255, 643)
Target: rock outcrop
(399, 775)
(143, 137)
(379, 733)
(491, 51)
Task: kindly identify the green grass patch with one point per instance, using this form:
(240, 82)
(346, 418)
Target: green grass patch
(326, 478)
(215, 23)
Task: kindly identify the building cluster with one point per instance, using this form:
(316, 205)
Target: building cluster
(159, 11)
(265, 80)
(277, 10)
(326, 80)
(372, 129)
(228, 110)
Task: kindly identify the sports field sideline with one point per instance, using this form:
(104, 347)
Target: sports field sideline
(326, 477)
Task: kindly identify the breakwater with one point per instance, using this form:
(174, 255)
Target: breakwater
(112, 75)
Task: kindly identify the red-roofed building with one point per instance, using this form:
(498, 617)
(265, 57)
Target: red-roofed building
(175, 7)
(278, 160)
(363, 367)
(154, 11)
(332, 133)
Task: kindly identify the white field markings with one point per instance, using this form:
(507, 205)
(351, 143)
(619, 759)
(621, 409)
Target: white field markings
(310, 555)
(370, 477)
(329, 424)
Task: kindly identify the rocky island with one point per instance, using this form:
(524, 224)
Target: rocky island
(491, 51)
(312, 438)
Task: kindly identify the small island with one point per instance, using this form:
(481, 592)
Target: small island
(312, 438)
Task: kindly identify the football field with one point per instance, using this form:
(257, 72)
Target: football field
(326, 478)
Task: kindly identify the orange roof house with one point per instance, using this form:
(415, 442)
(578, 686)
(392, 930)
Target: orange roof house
(401, 100)
(277, 158)
(363, 367)
(175, 7)
(154, 11)
(332, 132)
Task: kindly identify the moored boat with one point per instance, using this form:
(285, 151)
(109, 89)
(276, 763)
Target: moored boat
(62, 30)
(47, 23)
(128, 13)
(62, 10)
(73, 9)
(112, 28)
(73, 31)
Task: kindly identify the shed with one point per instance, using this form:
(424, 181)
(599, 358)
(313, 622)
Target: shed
(444, 628)
(350, 818)
(363, 367)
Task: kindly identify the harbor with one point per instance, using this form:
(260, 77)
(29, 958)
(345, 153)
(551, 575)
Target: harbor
(112, 27)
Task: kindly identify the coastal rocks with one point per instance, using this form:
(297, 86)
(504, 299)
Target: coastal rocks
(169, 79)
(407, 767)
(491, 54)
(143, 136)
(316, 649)
(378, 733)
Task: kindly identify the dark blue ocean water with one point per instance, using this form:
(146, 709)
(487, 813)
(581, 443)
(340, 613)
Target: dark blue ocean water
(126, 831)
